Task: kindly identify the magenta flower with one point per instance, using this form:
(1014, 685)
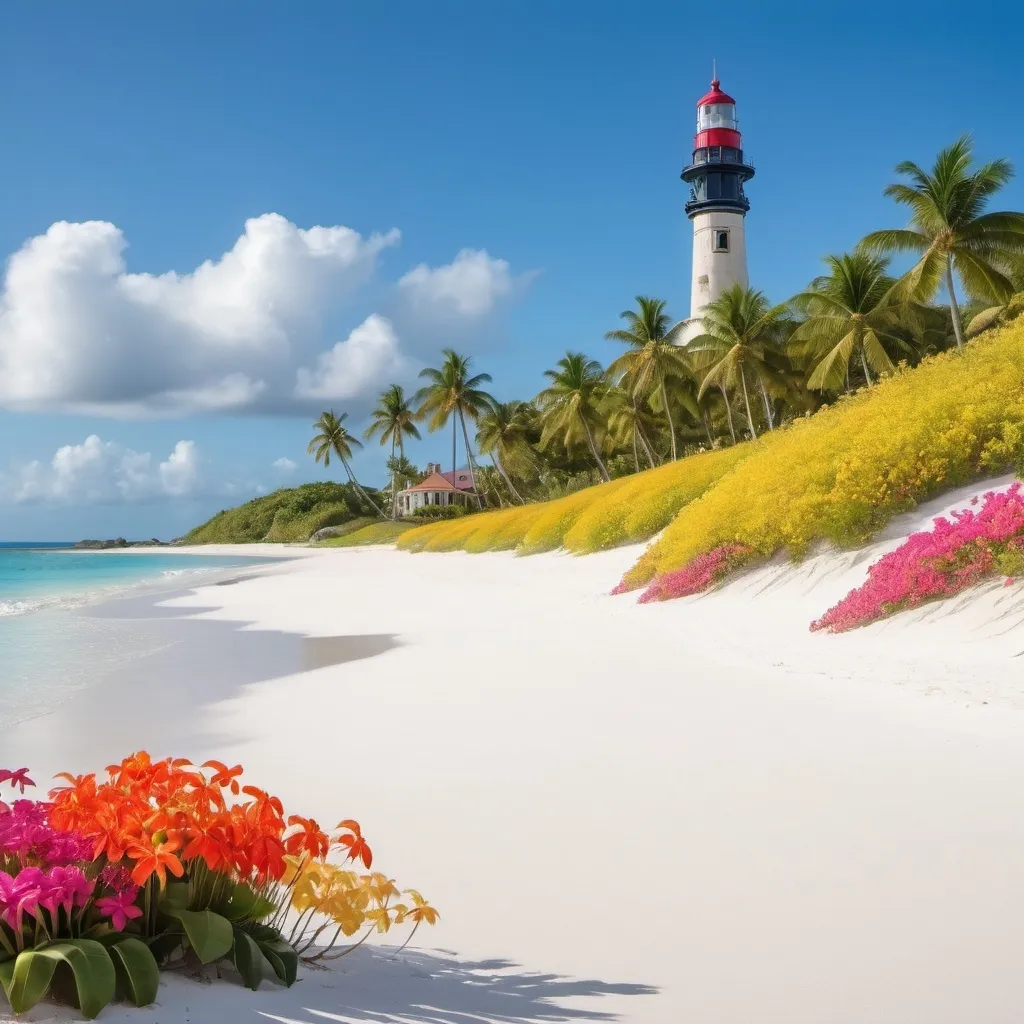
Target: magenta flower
(21, 894)
(956, 553)
(68, 888)
(119, 908)
(699, 575)
(119, 879)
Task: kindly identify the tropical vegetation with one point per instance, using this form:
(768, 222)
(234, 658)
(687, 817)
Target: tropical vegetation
(160, 864)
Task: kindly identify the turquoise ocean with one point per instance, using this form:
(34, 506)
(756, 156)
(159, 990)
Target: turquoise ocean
(50, 645)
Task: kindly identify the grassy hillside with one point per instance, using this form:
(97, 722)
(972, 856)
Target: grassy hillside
(290, 515)
(370, 533)
(839, 475)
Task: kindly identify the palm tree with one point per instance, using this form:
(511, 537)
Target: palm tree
(850, 314)
(333, 437)
(570, 405)
(393, 420)
(654, 353)
(1014, 269)
(626, 420)
(739, 345)
(950, 230)
(502, 433)
(453, 394)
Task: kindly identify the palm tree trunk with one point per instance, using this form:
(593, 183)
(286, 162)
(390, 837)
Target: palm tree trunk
(864, 364)
(455, 462)
(958, 327)
(668, 416)
(469, 459)
(636, 454)
(728, 414)
(499, 466)
(394, 482)
(707, 425)
(593, 451)
(645, 445)
(359, 487)
(767, 405)
(746, 402)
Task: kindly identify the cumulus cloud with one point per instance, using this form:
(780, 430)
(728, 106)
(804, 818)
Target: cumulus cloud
(100, 472)
(79, 333)
(284, 465)
(253, 330)
(472, 285)
(354, 366)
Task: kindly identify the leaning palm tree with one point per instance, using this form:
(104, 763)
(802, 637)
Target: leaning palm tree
(453, 394)
(739, 346)
(502, 433)
(1013, 267)
(850, 314)
(951, 231)
(569, 406)
(654, 353)
(393, 420)
(333, 438)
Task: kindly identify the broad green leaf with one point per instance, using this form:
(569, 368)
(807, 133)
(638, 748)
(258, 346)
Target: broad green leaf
(209, 934)
(137, 971)
(6, 974)
(248, 959)
(90, 966)
(282, 958)
(174, 898)
(164, 944)
(245, 905)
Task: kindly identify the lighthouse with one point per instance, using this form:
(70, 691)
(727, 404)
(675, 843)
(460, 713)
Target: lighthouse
(717, 204)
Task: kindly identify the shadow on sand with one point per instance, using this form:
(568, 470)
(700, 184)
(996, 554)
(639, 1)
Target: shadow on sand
(435, 988)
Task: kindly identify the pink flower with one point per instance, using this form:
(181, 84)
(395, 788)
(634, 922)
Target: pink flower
(119, 908)
(16, 778)
(956, 553)
(68, 888)
(699, 575)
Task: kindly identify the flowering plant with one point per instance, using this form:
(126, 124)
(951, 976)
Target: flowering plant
(699, 575)
(158, 864)
(954, 554)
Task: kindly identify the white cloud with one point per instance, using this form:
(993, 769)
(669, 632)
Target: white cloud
(79, 333)
(472, 285)
(250, 331)
(369, 355)
(101, 472)
(285, 465)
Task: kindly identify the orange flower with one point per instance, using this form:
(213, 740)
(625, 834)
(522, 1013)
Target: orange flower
(355, 844)
(310, 838)
(225, 777)
(155, 859)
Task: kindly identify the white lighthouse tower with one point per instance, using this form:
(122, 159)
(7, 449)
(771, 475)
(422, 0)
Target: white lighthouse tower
(717, 204)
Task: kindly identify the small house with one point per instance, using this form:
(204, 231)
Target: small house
(436, 488)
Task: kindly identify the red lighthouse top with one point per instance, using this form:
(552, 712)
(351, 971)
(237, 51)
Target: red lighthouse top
(715, 96)
(716, 120)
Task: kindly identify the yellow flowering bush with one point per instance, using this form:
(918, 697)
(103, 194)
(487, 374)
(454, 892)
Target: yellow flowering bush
(647, 501)
(843, 473)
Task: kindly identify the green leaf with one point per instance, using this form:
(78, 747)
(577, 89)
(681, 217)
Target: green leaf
(248, 959)
(283, 959)
(209, 934)
(29, 978)
(244, 904)
(137, 972)
(164, 944)
(174, 898)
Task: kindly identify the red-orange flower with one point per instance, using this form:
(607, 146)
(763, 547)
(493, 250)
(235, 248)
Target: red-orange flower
(155, 859)
(357, 847)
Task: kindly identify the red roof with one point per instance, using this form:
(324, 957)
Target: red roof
(434, 482)
(715, 96)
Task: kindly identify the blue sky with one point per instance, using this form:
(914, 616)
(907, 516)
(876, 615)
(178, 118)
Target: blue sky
(545, 139)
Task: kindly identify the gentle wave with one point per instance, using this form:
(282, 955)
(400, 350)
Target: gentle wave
(57, 602)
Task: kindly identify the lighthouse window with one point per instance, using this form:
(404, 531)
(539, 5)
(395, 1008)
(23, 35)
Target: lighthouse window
(721, 241)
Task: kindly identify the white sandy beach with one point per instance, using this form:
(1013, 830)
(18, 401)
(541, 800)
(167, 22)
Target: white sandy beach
(689, 812)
